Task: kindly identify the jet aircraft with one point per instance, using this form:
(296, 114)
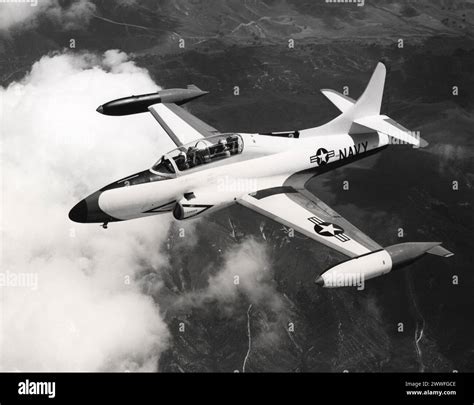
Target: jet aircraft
(265, 172)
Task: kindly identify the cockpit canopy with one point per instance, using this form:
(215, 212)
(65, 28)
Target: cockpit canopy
(199, 152)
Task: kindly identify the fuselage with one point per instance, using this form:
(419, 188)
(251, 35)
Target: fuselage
(264, 162)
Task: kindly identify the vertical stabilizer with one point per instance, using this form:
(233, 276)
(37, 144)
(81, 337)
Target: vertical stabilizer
(370, 101)
(368, 105)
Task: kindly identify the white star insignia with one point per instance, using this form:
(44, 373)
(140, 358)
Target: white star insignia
(328, 228)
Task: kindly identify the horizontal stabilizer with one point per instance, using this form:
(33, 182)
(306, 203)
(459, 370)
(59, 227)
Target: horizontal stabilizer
(386, 125)
(342, 102)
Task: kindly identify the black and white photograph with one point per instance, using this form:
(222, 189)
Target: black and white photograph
(237, 186)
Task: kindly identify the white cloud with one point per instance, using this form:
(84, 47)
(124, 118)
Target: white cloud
(24, 13)
(246, 270)
(55, 150)
(12, 14)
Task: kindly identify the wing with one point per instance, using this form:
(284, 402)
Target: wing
(181, 126)
(305, 213)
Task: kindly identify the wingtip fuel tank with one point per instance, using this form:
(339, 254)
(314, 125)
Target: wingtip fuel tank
(356, 271)
(138, 104)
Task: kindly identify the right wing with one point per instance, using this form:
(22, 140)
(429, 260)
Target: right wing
(304, 212)
(181, 126)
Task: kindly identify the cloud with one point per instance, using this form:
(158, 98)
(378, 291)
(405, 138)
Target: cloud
(246, 271)
(75, 15)
(88, 310)
(12, 14)
(250, 264)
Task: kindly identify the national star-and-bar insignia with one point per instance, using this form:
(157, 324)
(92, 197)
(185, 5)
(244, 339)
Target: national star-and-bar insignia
(322, 156)
(329, 230)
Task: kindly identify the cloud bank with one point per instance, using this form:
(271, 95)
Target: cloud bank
(24, 13)
(87, 311)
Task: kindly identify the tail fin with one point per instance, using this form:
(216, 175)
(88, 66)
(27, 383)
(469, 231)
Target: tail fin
(366, 112)
(440, 251)
(193, 87)
(368, 104)
(363, 115)
(370, 101)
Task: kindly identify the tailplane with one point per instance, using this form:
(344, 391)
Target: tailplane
(363, 115)
(369, 102)
(339, 100)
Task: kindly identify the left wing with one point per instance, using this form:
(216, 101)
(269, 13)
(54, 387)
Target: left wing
(181, 126)
(305, 213)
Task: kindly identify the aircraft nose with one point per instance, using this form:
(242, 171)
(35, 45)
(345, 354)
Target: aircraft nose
(78, 213)
(100, 109)
(88, 211)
